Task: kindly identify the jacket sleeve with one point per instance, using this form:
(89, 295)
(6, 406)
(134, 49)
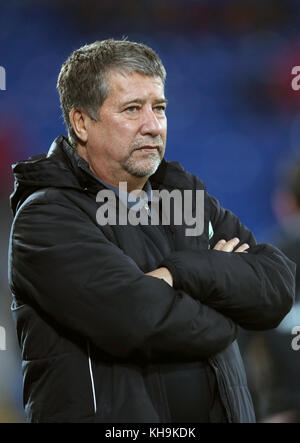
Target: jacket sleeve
(256, 289)
(61, 262)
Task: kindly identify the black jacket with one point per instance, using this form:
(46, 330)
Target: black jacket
(94, 329)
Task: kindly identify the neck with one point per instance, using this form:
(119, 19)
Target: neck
(113, 178)
(133, 183)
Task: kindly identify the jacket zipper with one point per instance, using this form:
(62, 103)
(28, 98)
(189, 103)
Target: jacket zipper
(91, 376)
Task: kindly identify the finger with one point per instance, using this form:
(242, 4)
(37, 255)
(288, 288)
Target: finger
(218, 246)
(231, 244)
(242, 248)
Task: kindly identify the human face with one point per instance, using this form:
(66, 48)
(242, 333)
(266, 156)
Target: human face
(128, 142)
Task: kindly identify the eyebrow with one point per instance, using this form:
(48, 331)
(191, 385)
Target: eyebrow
(141, 101)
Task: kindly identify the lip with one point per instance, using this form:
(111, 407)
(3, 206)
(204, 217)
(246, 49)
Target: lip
(148, 149)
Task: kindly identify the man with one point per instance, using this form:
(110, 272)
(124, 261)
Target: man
(123, 322)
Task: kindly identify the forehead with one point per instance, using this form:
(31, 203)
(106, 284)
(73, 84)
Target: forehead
(126, 86)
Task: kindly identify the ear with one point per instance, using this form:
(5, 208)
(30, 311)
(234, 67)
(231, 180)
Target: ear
(78, 119)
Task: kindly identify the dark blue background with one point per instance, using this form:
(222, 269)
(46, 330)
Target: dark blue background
(233, 118)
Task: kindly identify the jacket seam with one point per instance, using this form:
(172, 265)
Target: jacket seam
(91, 376)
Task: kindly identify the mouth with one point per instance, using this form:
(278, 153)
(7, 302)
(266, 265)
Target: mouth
(150, 149)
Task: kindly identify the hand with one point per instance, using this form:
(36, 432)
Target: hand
(228, 246)
(162, 273)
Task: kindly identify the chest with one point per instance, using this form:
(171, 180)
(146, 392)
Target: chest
(149, 242)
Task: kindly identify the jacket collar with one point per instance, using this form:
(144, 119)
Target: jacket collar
(63, 167)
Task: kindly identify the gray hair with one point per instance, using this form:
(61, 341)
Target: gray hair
(82, 81)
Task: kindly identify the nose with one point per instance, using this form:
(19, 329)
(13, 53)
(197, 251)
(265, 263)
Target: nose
(151, 124)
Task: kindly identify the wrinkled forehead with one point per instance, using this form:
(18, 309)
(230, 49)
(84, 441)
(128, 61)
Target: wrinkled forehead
(123, 84)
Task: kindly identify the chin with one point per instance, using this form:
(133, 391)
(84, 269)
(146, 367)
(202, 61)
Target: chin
(143, 168)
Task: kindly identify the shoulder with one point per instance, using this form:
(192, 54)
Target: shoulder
(47, 202)
(173, 175)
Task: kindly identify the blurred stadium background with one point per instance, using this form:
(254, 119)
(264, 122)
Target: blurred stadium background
(233, 117)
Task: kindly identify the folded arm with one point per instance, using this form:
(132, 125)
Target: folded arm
(255, 289)
(62, 262)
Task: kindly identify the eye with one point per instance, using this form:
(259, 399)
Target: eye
(160, 108)
(132, 109)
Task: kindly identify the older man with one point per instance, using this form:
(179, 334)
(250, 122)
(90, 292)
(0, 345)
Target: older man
(130, 322)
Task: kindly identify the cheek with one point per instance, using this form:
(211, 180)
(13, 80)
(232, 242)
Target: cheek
(164, 136)
(164, 128)
(124, 135)
(120, 142)
(116, 136)
(121, 128)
